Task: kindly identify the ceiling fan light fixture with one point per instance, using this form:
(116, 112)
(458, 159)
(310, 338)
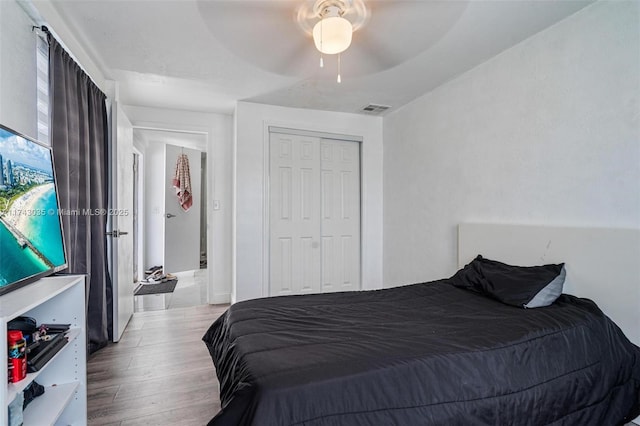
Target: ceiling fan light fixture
(332, 35)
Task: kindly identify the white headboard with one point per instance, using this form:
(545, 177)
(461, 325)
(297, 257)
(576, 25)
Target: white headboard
(602, 264)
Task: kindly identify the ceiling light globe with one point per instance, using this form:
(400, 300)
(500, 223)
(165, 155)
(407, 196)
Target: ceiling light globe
(332, 35)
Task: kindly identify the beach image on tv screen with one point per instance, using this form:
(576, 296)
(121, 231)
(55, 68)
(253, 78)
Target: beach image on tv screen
(30, 232)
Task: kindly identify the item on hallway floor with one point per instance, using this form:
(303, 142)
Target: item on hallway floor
(153, 269)
(155, 278)
(165, 287)
(182, 182)
(31, 392)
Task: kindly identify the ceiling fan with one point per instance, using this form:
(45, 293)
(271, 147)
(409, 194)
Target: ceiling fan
(278, 35)
(334, 22)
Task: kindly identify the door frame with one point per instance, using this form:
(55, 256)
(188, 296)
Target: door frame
(266, 230)
(113, 224)
(197, 130)
(139, 214)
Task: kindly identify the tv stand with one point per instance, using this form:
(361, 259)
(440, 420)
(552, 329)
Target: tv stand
(55, 299)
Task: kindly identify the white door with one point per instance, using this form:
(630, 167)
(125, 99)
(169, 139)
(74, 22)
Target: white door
(314, 214)
(181, 228)
(340, 161)
(121, 221)
(294, 214)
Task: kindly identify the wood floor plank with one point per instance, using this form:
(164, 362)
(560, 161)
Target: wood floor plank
(103, 392)
(153, 404)
(192, 415)
(160, 373)
(188, 381)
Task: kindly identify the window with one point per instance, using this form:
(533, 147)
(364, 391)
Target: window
(42, 64)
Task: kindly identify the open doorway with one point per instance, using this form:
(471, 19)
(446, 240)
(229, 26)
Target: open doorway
(172, 235)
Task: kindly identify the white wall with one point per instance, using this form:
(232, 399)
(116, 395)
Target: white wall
(18, 93)
(251, 138)
(18, 72)
(45, 13)
(545, 133)
(218, 130)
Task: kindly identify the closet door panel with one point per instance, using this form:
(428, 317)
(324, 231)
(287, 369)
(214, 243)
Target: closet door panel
(294, 215)
(341, 215)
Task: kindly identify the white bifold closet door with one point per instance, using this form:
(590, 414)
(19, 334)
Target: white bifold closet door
(314, 211)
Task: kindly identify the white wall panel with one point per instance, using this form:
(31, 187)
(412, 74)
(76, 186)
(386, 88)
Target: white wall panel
(18, 100)
(545, 133)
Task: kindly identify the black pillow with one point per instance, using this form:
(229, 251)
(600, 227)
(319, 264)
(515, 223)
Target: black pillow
(522, 286)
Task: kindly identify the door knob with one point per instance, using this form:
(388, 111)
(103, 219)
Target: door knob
(169, 215)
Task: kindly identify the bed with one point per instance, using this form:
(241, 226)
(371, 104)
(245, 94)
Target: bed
(424, 354)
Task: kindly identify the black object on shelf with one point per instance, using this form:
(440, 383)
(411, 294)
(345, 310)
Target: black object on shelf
(25, 324)
(56, 328)
(31, 392)
(39, 355)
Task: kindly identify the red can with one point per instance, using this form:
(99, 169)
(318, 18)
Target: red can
(17, 356)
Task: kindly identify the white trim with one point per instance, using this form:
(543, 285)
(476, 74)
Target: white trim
(314, 134)
(267, 130)
(220, 299)
(266, 218)
(141, 211)
(148, 126)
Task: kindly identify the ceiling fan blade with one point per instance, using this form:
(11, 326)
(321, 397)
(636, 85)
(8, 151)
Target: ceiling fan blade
(373, 49)
(266, 33)
(263, 33)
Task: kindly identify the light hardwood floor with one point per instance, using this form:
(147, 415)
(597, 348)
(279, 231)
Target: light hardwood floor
(160, 373)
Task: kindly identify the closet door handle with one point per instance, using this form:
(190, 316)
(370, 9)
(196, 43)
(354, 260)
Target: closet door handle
(169, 215)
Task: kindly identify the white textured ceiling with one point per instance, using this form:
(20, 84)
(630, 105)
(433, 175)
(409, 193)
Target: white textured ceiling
(204, 55)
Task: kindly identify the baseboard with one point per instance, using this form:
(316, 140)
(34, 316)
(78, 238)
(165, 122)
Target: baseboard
(220, 299)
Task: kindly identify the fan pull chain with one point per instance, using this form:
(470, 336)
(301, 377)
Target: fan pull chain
(339, 61)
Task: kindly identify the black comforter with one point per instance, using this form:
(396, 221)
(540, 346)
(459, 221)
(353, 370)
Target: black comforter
(424, 354)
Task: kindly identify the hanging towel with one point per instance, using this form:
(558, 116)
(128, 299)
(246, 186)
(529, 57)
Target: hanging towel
(182, 182)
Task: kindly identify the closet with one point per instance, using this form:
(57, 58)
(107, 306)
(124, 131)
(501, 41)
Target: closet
(314, 213)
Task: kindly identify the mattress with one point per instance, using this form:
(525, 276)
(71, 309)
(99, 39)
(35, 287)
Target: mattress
(423, 354)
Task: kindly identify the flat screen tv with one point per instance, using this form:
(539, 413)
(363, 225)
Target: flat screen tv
(31, 238)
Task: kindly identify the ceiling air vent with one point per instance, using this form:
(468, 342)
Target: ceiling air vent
(375, 109)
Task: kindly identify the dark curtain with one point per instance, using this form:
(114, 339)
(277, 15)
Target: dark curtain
(79, 138)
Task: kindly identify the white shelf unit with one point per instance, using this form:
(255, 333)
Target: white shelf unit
(51, 300)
